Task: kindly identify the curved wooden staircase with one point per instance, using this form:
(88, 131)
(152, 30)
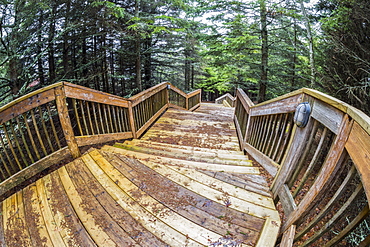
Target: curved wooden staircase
(184, 183)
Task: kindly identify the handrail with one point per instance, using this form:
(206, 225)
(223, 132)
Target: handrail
(226, 99)
(50, 124)
(321, 172)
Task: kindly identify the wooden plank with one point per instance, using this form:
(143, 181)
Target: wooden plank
(358, 147)
(166, 233)
(178, 199)
(195, 107)
(34, 169)
(277, 107)
(50, 222)
(34, 218)
(102, 138)
(69, 225)
(206, 191)
(88, 94)
(101, 218)
(244, 100)
(288, 237)
(287, 200)
(65, 122)
(230, 189)
(96, 232)
(269, 232)
(30, 95)
(26, 105)
(15, 228)
(88, 181)
(327, 115)
(323, 177)
(162, 212)
(2, 233)
(185, 163)
(271, 166)
(195, 92)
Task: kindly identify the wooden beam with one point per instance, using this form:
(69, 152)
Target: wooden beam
(102, 138)
(65, 121)
(132, 120)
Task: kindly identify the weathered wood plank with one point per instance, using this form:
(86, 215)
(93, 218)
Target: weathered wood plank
(277, 107)
(86, 180)
(271, 166)
(88, 94)
(102, 138)
(152, 223)
(35, 221)
(151, 121)
(327, 115)
(288, 237)
(96, 232)
(269, 232)
(287, 200)
(140, 97)
(358, 147)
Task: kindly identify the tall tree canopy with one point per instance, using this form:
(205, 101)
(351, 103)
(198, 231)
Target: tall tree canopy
(266, 47)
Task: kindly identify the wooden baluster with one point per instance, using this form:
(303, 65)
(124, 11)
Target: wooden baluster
(2, 171)
(312, 164)
(10, 161)
(287, 130)
(53, 126)
(38, 132)
(17, 143)
(84, 117)
(282, 131)
(126, 119)
(74, 103)
(115, 120)
(101, 119)
(106, 118)
(95, 118)
(110, 119)
(266, 132)
(89, 117)
(45, 129)
(272, 133)
(31, 137)
(25, 144)
(277, 131)
(65, 122)
(10, 144)
(256, 127)
(131, 119)
(119, 118)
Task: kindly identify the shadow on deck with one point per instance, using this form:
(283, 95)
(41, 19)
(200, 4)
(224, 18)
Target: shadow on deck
(184, 183)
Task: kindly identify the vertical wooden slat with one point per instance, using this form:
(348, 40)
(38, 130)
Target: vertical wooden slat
(276, 127)
(101, 119)
(35, 149)
(38, 132)
(131, 118)
(106, 123)
(96, 122)
(110, 119)
(7, 168)
(285, 124)
(89, 117)
(74, 103)
(51, 120)
(81, 103)
(65, 122)
(45, 129)
(20, 150)
(10, 145)
(118, 118)
(288, 131)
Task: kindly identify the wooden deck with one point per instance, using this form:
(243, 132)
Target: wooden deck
(184, 183)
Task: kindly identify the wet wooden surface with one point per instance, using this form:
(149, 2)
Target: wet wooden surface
(185, 183)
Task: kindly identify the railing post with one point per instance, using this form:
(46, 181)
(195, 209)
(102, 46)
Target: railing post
(132, 121)
(187, 103)
(65, 121)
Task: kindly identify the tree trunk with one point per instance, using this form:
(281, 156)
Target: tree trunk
(51, 60)
(39, 49)
(310, 41)
(264, 53)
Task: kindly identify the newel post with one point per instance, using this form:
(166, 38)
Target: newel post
(132, 120)
(65, 121)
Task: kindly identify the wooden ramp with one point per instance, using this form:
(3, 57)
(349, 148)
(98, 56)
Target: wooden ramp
(183, 184)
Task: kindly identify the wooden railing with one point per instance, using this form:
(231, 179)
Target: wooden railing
(226, 99)
(321, 172)
(44, 127)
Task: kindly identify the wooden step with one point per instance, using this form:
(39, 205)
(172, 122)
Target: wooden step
(208, 152)
(185, 163)
(190, 155)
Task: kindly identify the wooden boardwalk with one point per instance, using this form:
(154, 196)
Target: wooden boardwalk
(184, 183)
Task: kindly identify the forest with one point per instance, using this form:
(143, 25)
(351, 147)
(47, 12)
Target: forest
(265, 47)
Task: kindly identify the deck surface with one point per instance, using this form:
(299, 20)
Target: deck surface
(184, 183)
